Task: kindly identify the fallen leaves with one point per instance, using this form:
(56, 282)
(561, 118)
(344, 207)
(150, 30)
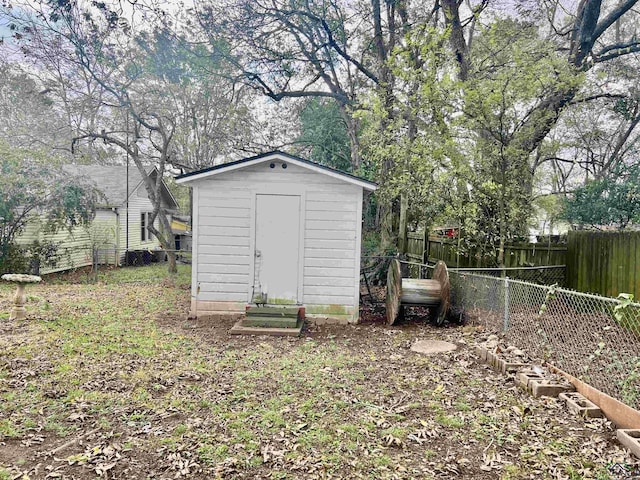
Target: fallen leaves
(343, 402)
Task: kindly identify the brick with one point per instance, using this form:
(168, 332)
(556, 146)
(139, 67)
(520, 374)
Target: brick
(541, 388)
(497, 363)
(490, 358)
(525, 376)
(579, 405)
(630, 438)
(481, 353)
(508, 367)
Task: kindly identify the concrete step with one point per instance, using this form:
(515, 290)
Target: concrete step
(272, 322)
(240, 329)
(273, 311)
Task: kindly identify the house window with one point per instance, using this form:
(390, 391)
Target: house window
(145, 235)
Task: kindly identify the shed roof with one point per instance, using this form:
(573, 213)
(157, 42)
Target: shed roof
(276, 155)
(111, 180)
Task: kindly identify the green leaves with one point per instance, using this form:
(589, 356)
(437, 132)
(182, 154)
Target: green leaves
(324, 132)
(613, 200)
(34, 188)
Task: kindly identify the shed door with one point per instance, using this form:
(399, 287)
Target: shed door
(277, 247)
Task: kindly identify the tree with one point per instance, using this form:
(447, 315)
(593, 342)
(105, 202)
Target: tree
(502, 92)
(324, 134)
(612, 201)
(142, 88)
(28, 114)
(407, 136)
(596, 136)
(585, 42)
(330, 49)
(32, 184)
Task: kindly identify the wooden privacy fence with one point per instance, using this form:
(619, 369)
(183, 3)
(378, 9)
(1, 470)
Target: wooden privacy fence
(607, 263)
(432, 249)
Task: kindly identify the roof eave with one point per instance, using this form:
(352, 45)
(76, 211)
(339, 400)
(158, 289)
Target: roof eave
(225, 168)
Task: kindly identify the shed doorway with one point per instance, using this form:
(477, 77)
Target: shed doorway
(277, 247)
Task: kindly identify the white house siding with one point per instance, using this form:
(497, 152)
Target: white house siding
(75, 246)
(138, 203)
(223, 258)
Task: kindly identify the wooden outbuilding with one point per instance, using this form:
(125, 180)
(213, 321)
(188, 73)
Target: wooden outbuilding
(276, 229)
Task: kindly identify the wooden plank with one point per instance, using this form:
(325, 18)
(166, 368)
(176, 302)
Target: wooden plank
(313, 281)
(345, 300)
(242, 251)
(224, 287)
(229, 212)
(329, 291)
(330, 225)
(223, 296)
(217, 268)
(225, 221)
(204, 259)
(331, 215)
(238, 197)
(329, 234)
(229, 241)
(317, 195)
(328, 272)
(206, 231)
(330, 263)
(329, 253)
(331, 206)
(342, 244)
(394, 291)
(224, 278)
(605, 263)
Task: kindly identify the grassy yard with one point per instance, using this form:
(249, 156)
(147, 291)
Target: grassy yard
(111, 380)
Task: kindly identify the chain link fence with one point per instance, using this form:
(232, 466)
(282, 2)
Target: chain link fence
(594, 338)
(542, 275)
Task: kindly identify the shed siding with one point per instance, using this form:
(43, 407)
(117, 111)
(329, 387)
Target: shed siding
(330, 246)
(223, 241)
(225, 217)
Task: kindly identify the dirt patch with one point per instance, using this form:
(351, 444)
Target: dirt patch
(429, 347)
(125, 386)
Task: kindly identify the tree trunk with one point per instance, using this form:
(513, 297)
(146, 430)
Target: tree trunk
(456, 37)
(171, 257)
(402, 224)
(352, 126)
(502, 225)
(387, 237)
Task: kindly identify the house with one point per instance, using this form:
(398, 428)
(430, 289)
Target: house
(181, 229)
(278, 229)
(119, 225)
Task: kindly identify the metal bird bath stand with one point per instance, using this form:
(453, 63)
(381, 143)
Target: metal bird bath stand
(18, 312)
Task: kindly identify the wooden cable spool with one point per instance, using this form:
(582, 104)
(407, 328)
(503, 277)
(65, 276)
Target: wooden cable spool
(433, 293)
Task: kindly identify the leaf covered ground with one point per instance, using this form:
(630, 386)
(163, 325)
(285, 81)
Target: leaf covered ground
(110, 380)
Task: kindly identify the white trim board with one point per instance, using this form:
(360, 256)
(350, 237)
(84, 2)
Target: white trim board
(369, 186)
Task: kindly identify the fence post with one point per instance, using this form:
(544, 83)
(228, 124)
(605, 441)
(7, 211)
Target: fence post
(402, 231)
(506, 304)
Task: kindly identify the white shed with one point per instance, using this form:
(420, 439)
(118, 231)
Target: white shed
(277, 224)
